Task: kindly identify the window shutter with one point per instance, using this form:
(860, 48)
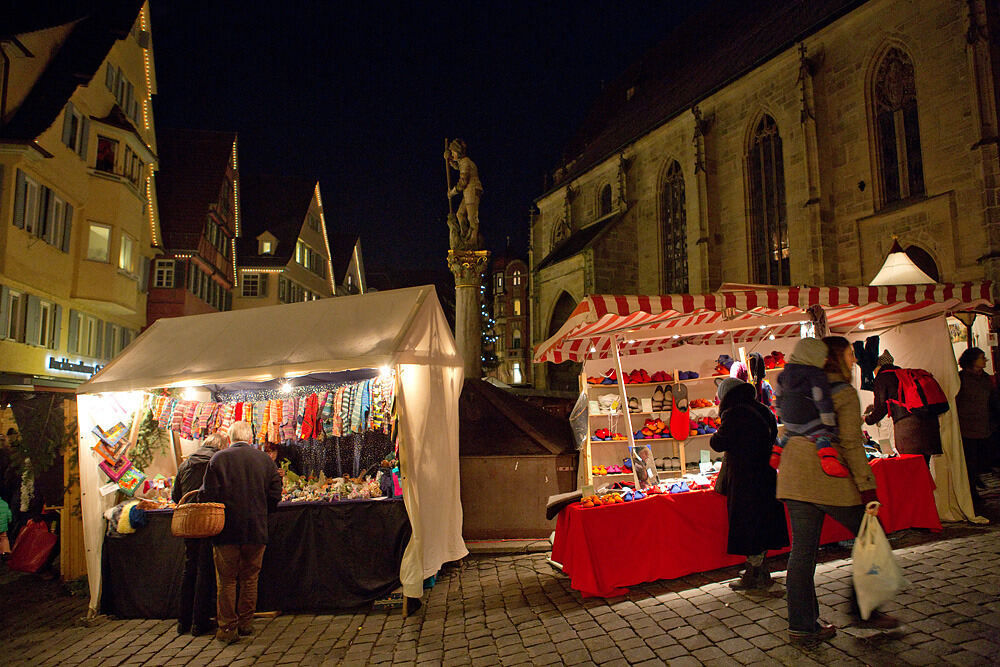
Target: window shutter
(263, 284)
(48, 222)
(143, 274)
(31, 328)
(109, 78)
(98, 345)
(19, 200)
(109, 340)
(67, 226)
(56, 334)
(84, 136)
(73, 339)
(67, 134)
(4, 310)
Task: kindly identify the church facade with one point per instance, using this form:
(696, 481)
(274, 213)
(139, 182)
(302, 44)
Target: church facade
(787, 147)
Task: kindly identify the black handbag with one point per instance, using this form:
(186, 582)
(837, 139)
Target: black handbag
(722, 480)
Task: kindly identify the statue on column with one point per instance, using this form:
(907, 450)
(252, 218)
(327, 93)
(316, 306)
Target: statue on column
(464, 226)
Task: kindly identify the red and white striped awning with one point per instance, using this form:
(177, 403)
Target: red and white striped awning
(744, 314)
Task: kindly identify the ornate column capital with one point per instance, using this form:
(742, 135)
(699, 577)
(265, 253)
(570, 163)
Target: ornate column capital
(468, 266)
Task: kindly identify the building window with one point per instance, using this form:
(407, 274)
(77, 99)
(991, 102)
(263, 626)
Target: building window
(498, 283)
(99, 242)
(897, 131)
(516, 373)
(266, 247)
(768, 224)
(126, 256)
(76, 127)
(164, 274)
(15, 315)
(516, 278)
(313, 221)
(515, 339)
(255, 284)
(604, 201)
(517, 307)
(132, 167)
(673, 230)
(310, 259)
(41, 212)
(107, 149)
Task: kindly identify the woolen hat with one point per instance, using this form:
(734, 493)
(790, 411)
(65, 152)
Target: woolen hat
(809, 352)
(885, 359)
(726, 385)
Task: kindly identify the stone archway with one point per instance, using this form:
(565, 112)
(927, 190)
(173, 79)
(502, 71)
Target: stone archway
(564, 376)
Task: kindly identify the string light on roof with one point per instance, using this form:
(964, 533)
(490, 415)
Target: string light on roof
(771, 337)
(862, 325)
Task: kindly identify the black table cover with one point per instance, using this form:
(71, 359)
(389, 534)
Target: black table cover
(321, 557)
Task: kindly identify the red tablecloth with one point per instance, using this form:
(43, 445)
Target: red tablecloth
(606, 549)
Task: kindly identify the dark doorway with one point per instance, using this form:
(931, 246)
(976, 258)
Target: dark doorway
(564, 376)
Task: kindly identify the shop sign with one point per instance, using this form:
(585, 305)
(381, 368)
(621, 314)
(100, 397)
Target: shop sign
(64, 365)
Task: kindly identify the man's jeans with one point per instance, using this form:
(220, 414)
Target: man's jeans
(237, 563)
(807, 522)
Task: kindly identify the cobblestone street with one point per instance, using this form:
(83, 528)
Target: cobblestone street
(519, 610)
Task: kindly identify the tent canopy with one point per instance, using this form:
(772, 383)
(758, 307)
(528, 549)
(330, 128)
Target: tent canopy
(260, 344)
(745, 314)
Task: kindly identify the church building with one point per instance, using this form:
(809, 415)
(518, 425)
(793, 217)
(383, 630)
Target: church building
(780, 143)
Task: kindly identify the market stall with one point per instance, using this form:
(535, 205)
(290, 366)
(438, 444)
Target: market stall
(395, 345)
(643, 356)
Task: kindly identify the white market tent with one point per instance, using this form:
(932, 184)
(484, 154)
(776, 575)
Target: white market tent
(910, 320)
(404, 330)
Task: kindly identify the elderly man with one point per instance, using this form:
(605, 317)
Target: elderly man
(246, 481)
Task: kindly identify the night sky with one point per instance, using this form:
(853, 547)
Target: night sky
(360, 96)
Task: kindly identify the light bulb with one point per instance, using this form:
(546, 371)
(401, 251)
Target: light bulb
(862, 325)
(720, 331)
(771, 337)
(286, 387)
(189, 394)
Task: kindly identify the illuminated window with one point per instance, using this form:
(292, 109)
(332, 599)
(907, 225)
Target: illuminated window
(107, 149)
(768, 224)
(266, 247)
(516, 279)
(517, 307)
(98, 242)
(164, 273)
(897, 130)
(498, 283)
(126, 255)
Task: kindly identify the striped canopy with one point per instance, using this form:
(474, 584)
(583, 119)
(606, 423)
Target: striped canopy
(745, 314)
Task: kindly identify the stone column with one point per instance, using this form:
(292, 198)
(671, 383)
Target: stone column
(468, 267)
(814, 221)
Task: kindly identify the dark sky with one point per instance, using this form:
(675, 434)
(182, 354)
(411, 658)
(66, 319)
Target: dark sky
(360, 95)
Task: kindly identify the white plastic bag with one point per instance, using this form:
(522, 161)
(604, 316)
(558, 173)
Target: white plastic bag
(877, 575)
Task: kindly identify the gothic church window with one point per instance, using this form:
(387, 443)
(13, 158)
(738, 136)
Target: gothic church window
(673, 231)
(768, 223)
(604, 201)
(897, 133)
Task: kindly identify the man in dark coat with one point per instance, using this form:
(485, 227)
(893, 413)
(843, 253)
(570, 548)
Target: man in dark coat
(756, 518)
(912, 433)
(247, 482)
(198, 582)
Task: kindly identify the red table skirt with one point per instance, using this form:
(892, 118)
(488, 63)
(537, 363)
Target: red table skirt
(606, 549)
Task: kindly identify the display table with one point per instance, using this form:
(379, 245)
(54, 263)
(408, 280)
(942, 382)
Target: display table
(321, 556)
(606, 549)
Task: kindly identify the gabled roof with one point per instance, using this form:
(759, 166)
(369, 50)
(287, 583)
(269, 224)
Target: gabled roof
(716, 45)
(341, 251)
(278, 204)
(99, 23)
(579, 241)
(193, 165)
(496, 423)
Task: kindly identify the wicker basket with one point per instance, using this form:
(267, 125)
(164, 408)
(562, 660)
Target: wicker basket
(197, 519)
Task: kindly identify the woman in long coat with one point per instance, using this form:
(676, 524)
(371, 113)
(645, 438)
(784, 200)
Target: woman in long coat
(756, 518)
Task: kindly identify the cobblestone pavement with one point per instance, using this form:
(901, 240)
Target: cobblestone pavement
(519, 610)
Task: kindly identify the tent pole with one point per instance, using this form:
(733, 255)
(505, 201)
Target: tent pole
(624, 406)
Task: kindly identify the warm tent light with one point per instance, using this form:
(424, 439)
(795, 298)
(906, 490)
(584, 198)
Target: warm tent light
(189, 394)
(771, 337)
(862, 325)
(384, 371)
(720, 331)
(899, 269)
(286, 387)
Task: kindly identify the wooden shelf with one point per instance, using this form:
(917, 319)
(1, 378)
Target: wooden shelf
(654, 384)
(644, 440)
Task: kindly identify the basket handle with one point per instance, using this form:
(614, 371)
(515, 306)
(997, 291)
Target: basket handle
(186, 496)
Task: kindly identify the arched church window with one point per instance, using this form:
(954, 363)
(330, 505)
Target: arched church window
(604, 201)
(673, 231)
(768, 224)
(899, 163)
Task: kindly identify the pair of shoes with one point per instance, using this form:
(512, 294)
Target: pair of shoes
(660, 401)
(227, 636)
(633, 404)
(183, 628)
(245, 632)
(199, 630)
(879, 621)
(822, 632)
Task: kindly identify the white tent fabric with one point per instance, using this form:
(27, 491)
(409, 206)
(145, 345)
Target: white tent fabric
(899, 269)
(402, 329)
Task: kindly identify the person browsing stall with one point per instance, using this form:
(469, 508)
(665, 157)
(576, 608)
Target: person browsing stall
(198, 580)
(913, 433)
(246, 481)
(810, 494)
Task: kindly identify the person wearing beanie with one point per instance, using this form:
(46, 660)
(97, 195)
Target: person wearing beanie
(756, 518)
(758, 369)
(912, 433)
(805, 404)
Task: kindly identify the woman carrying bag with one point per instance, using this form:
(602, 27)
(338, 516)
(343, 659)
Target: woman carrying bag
(810, 494)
